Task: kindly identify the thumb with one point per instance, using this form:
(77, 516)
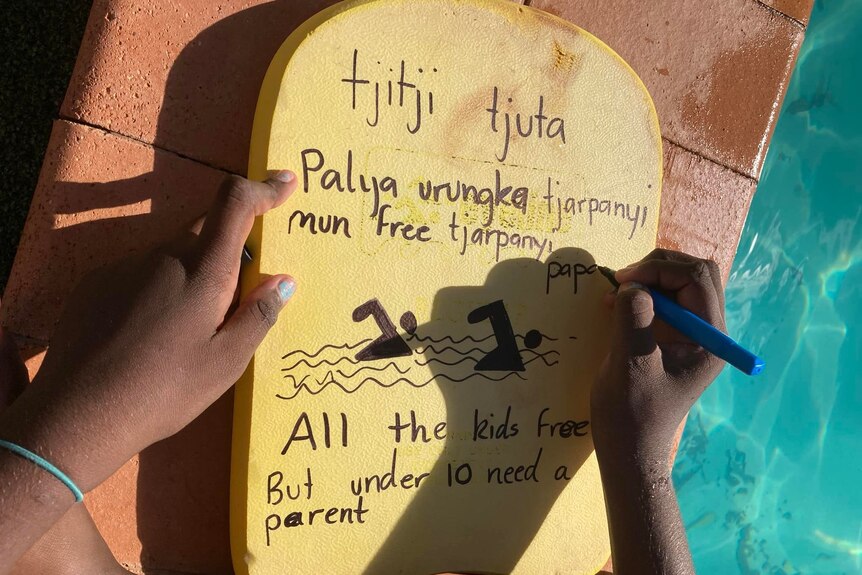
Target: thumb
(633, 318)
(257, 313)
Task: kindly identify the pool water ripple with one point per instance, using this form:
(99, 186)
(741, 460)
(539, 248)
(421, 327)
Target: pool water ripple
(769, 473)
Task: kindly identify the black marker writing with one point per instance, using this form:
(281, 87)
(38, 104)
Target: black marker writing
(314, 162)
(390, 343)
(417, 431)
(409, 93)
(303, 430)
(565, 429)
(275, 493)
(504, 357)
(593, 209)
(490, 198)
(524, 125)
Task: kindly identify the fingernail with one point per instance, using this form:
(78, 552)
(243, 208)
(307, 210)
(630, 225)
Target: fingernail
(632, 285)
(627, 268)
(286, 289)
(285, 176)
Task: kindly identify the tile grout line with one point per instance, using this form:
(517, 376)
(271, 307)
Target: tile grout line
(780, 13)
(191, 159)
(702, 157)
(760, 2)
(22, 339)
(152, 145)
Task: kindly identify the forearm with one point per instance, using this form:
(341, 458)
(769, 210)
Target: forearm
(31, 501)
(647, 535)
(647, 384)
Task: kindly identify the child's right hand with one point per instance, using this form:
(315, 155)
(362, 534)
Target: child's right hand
(654, 374)
(144, 346)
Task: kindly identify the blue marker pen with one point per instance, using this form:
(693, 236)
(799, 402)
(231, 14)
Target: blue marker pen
(699, 331)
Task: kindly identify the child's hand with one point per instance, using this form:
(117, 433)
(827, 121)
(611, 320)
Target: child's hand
(144, 346)
(653, 374)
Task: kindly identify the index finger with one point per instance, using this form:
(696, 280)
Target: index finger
(231, 217)
(675, 256)
(691, 282)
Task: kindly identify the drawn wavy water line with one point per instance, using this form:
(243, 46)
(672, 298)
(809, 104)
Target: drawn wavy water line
(325, 347)
(440, 361)
(542, 356)
(352, 361)
(546, 362)
(544, 336)
(430, 347)
(321, 362)
(534, 352)
(474, 374)
(413, 336)
(409, 337)
(388, 365)
(301, 385)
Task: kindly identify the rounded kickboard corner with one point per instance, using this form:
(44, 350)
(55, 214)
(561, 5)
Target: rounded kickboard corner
(272, 84)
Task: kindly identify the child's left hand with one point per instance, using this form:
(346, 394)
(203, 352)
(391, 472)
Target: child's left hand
(144, 346)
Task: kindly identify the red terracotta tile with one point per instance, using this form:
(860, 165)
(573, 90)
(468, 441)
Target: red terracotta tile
(32, 354)
(703, 207)
(167, 508)
(799, 10)
(183, 75)
(717, 69)
(100, 197)
(183, 495)
(113, 506)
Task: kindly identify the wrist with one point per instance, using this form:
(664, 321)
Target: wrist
(619, 437)
(54, 431)
(26, 481)
(630, 449)
(632, 460)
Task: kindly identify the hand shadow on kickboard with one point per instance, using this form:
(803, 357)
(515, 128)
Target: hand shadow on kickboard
(492, 532)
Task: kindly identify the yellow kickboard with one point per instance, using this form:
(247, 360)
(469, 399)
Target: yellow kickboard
(423, 404)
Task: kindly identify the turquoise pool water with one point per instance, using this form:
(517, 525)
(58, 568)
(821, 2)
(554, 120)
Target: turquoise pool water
(769, 473)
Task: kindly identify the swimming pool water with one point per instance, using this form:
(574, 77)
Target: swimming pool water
(769, 473)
